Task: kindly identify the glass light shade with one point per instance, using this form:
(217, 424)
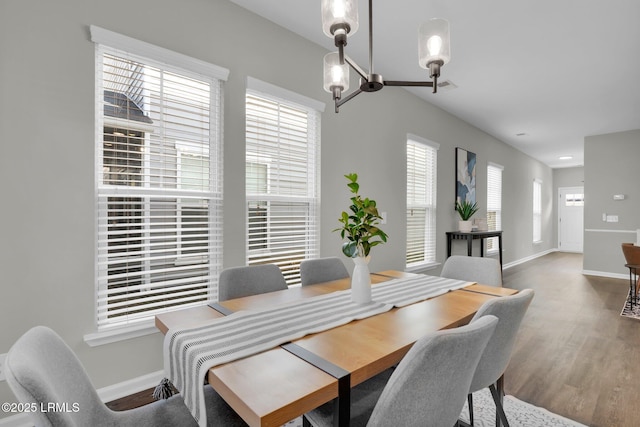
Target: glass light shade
(335, 75)
(335, 12)
(433, 42)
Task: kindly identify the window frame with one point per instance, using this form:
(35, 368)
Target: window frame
(267, 156)
(494, 203)
(429, 251)
(537, 211)
(107, 42)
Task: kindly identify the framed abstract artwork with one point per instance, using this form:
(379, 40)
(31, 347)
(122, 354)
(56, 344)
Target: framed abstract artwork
(465, 175)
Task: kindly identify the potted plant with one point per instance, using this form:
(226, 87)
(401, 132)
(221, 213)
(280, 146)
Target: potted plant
(465, 209)
(360, 228)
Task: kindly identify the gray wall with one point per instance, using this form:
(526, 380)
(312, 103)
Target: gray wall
(47, 161)
(611, 167)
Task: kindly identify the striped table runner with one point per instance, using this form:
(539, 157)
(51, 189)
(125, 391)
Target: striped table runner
(190, 353)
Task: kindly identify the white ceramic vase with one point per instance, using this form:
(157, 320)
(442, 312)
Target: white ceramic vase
(361, 281)
(465, 226)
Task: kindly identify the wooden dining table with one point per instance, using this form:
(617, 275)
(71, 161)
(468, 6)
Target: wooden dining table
(275, 386)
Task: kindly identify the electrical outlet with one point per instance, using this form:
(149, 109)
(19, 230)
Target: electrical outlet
(2, 359)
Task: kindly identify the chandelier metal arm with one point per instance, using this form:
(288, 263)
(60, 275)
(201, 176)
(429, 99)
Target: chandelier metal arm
(352, 95)
(356, 67)
(406, 83)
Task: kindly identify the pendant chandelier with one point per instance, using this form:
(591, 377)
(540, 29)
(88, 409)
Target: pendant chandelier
(340, 19)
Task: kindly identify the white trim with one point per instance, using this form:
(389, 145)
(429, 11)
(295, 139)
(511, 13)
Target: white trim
(119, 41)
(129, 387)
(422, 140)
(529, 258)
(112, 335)
(495, 165)
(605, 274)
(418, 268)
(594, 230)
(273, 90)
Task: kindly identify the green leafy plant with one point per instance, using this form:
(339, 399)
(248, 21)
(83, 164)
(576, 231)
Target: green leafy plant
(360, 227)
(466, 209)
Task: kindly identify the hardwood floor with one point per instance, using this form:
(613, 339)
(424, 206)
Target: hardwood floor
(575, 355)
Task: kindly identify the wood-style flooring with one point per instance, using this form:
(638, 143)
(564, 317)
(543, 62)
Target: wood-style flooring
(575, 355)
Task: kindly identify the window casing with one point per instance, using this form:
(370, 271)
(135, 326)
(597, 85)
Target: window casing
(422, 166)
(537, 211)
(282, 181)
(158, 184)
(494, 203)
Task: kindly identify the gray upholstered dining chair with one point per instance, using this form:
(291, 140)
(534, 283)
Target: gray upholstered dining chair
(237, 282)
(41, 369)
(322, 270)
(510, 311)
(427, 388)
(486, 271)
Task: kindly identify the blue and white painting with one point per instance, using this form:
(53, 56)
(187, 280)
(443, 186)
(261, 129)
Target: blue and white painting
(465, 176)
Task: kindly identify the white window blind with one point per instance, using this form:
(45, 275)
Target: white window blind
(537, 210)
(159, 187)
(494, 203)
(282, 182)
(422, 164)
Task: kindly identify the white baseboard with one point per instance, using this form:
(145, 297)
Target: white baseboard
(107, 394)
(605, 274)
(125, 388)
(529, 258)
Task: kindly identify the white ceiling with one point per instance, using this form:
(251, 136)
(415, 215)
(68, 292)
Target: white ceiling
(555, 70)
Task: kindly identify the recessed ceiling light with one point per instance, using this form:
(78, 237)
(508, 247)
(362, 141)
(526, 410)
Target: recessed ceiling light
(565, 157)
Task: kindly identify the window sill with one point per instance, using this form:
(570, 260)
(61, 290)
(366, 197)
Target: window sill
(109, 336)
(418, 268)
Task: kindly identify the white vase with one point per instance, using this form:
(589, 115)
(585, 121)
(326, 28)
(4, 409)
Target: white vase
(465, 226)
(361, 281)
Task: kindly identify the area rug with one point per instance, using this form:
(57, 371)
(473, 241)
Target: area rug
(631, 312)
(519, 413)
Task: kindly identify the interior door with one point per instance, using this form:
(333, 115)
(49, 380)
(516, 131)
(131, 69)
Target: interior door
(570, 219)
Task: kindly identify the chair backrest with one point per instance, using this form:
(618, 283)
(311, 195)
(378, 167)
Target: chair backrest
(510, 311)
(322, 270)
(486, 271)
(41, 369)
(430, 384)
(237, 282)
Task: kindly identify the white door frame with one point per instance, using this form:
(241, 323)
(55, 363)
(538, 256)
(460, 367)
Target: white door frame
(573, 189)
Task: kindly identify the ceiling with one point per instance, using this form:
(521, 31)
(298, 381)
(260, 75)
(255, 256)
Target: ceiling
(539, 75)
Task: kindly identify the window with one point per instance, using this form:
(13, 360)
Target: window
(494, 203)
(537, 211)
(158, 181)
(574, 200)
(422, 166)
(282, 178)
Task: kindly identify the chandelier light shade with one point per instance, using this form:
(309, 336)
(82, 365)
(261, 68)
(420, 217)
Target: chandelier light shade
(336, 75)
(434, 49)
(340, 18)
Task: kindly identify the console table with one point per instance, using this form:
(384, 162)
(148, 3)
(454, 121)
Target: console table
(470, 236)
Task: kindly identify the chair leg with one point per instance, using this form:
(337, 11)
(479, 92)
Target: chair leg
(470, 402)
(500, 415)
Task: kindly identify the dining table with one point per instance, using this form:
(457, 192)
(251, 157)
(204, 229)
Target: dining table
(279, 384)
